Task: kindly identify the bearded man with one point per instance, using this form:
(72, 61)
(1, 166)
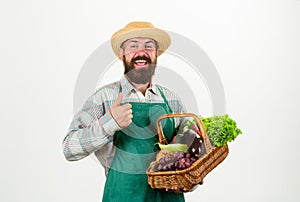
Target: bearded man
(117, 122)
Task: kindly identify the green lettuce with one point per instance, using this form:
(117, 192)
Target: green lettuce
(220, 129)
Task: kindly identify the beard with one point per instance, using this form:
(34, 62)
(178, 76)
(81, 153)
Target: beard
(139, 75)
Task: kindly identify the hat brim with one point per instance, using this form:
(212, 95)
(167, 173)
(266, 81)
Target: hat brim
(161, 37)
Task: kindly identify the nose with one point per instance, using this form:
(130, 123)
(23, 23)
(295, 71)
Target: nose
(141, 51)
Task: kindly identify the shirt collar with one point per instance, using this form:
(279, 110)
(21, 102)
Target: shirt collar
(152, 88)
(127, 87)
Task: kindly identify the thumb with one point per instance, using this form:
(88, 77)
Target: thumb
(118, 101)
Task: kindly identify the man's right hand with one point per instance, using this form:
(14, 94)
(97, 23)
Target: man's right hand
(121, 113)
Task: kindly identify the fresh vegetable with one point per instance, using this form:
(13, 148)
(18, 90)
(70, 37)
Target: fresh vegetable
(220, 129)
(174, 147)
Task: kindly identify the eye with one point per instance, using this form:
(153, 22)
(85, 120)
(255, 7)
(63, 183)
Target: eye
(149, 46)
(133, 46)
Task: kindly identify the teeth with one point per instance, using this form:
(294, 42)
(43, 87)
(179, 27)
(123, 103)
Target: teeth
(140, 61)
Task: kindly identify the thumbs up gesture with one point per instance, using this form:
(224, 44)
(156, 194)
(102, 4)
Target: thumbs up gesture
(121, 113)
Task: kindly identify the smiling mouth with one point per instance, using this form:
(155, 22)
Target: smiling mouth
(141, 63)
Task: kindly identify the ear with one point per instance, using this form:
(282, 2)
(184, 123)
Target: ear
(121, 53)
(158, 52)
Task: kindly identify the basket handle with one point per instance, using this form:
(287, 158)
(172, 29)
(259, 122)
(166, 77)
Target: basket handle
(203, 135)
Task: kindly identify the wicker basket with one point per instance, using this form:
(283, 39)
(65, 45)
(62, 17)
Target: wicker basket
(186, 179)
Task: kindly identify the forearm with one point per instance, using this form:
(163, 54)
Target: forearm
(82, 140)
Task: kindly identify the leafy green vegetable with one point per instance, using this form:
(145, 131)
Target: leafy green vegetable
(220, 129)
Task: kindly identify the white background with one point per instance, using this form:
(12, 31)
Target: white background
(254, 45)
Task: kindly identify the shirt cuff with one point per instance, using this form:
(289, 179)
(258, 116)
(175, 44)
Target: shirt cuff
(110, 126)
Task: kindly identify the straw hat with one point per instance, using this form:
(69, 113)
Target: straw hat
(140, 29)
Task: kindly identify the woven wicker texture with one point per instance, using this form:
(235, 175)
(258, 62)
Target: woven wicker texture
(190, 177)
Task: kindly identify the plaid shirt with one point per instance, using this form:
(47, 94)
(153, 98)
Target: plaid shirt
(93, 127)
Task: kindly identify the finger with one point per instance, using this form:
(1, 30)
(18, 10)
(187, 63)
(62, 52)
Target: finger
(119, 100)
(175, 188)
(127, 123)
(130, 117)
(127, 106)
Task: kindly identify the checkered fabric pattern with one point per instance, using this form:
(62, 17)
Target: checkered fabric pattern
(93, 127)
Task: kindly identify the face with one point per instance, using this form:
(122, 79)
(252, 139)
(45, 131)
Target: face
(139, 57)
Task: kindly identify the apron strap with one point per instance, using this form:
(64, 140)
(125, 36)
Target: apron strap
(164, 97)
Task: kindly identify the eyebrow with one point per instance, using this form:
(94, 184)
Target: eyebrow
(136, 41)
